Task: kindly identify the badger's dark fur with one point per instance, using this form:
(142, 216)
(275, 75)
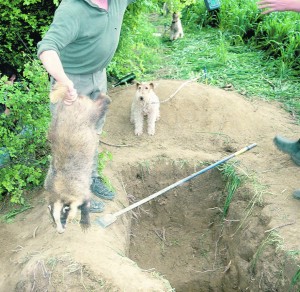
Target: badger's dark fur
(74, 141)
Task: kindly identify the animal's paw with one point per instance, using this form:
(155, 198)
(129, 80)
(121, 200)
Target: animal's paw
(151, 132)
(138, 133)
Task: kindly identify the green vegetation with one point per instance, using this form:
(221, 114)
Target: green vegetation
(222, 57)
(295, 280)
(23, 133)
(233, 182)
(104, 157)
(22, 24)
(273, 239)
(9, 217)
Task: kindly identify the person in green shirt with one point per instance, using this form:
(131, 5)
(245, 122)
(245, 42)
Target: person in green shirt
(81, 41)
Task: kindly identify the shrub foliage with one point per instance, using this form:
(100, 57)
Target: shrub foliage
(23, 145)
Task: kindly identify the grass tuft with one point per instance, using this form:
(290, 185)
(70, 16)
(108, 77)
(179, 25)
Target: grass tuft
(233, 182)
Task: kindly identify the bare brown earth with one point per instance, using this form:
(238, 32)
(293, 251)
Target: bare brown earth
(180, 239)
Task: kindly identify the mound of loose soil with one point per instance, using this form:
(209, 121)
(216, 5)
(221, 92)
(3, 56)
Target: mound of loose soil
(179, 240)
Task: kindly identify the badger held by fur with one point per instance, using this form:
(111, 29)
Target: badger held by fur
(73, 140)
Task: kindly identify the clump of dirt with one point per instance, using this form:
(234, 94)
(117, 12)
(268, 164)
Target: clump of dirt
(199, 124)
(62, 273)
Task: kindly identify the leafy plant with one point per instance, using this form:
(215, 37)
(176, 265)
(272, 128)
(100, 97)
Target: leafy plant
(23, 132)
(22, 24)
(104, 157)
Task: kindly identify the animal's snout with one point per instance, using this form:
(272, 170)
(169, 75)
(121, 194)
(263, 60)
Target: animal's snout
(59, 213)
(60, 229)
(141, 98)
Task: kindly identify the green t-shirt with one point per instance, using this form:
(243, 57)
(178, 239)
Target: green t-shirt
(84, 36)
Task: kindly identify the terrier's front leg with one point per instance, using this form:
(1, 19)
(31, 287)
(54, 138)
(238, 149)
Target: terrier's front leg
(132, 114)
(139, 119)
(151, 124)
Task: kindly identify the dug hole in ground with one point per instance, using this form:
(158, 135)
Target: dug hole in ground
(180, 240)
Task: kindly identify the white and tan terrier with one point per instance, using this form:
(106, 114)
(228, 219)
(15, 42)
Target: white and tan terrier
(145, 103)
(176, 27)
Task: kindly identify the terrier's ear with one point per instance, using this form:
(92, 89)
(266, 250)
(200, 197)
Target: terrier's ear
(151, 85)
(137, 85)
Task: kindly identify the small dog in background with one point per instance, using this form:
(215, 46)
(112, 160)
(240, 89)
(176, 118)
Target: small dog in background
(145, 103)
(74, 141)
(176, 27)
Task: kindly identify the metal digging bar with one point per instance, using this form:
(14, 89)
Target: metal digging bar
(108, 219)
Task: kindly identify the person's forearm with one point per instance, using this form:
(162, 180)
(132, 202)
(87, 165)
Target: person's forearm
(52, 64)
(279, 5)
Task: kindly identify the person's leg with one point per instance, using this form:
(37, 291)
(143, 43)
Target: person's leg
(100, 86)
(290, 147)
(293, 149)
(296, 194)
(98, 187)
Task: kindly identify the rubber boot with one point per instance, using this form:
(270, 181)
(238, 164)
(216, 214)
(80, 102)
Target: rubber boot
(296, 194)
(96, 206)
(100, 190)
(290, 147)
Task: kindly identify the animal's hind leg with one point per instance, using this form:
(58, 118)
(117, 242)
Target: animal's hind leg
(85, 216)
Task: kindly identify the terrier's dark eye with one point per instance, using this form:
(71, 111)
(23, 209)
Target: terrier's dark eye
(146, 87)
(140, 87)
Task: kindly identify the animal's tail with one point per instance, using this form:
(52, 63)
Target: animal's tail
(58, 92)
